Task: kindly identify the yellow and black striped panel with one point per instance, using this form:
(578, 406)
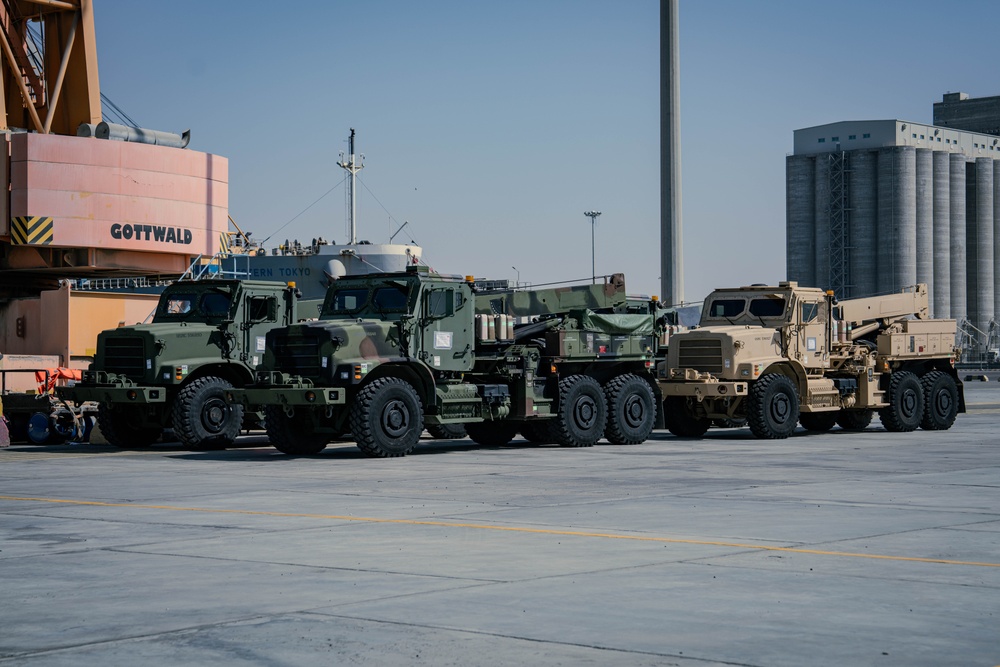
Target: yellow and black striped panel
(31, 230)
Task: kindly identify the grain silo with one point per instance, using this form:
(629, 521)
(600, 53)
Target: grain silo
(876, 206)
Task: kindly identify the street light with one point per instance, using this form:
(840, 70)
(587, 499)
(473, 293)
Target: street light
(593, 225)
(518, 283)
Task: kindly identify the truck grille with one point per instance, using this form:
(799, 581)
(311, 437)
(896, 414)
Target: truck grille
(298, 355)
(704, 355)
(124, 355)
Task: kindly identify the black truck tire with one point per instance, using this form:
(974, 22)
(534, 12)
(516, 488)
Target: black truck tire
(291, 434)
(387, 418)
(906, 403)
(631, 410)
(855, 420)
(679, 420)
(773, 407)
(492, 434)
(202, 419)
(940, 401)
(122, 427)
(446, 431)
(583, 412)
(818, 422)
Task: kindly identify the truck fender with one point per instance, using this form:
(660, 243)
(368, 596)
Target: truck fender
(416, 374)
(236, 374)
(795, 371)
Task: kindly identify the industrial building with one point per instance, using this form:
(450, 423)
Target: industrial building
(875, 206)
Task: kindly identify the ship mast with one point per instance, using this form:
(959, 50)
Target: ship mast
(353, 168)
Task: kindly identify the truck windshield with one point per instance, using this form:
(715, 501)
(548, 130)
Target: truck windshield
(195, 304)
(376, 298)
(726, 308)
(215, 303)
(346, 301)
(392, 298)
(769, 306)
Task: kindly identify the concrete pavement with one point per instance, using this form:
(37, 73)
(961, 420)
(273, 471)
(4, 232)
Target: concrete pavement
(836, 549)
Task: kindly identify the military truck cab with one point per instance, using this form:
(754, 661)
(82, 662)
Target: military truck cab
(205, 337)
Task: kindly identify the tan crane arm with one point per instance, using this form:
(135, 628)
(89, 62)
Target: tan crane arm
(912, 301)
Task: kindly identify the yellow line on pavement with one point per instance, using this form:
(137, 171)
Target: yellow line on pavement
(510, 529)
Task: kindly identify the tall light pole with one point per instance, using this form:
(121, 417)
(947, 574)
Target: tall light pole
(518, 283)
(593, 215)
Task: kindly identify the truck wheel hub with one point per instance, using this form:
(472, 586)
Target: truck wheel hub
(942, 402)
(585, 412)
(395, 419)
(214, 416)
(634, 412)
(780, 408)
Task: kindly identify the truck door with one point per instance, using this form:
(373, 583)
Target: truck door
(446, 330)
(812, 339)
(260, 313)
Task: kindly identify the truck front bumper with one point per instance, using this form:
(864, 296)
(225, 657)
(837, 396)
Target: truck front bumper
(256, 397)
(702, 390)
(112, 394)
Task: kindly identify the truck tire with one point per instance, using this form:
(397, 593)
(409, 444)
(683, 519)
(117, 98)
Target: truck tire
(446, 431)
(855, 420)
(583, 412)
(818, 422)
(539, 431)
(291, 434)
(492, 434)
(906, 403)
(940, 401)
(679, 420)
(387, 418)
(122, 427)
(202, 419)
(773, 407)
(631, 410)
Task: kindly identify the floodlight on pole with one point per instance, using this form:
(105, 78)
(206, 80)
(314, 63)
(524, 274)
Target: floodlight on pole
(518, 283)
(593, 215)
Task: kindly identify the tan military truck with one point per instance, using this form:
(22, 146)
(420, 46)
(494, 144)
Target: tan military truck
(779, 356)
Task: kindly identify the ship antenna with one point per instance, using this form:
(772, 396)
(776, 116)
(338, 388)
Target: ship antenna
(353, 168)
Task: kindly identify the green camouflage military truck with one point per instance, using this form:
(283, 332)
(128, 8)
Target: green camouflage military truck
(206, 336)
(393, 353)
(784, 355)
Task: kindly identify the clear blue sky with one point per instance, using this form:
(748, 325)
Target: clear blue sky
(492, 126)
